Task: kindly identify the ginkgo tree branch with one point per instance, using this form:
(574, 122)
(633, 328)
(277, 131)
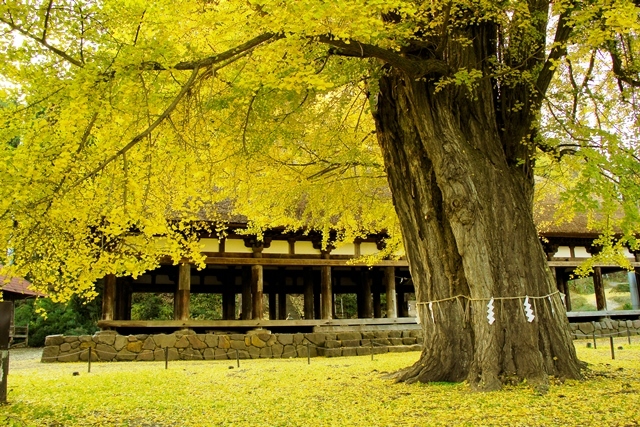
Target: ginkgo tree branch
(558, 51)
(185, 88)
(46, 20)
(43, 41)
(617, 67)
(214, 59)
(415, 68)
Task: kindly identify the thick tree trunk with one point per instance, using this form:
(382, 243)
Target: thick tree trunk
(466, 217)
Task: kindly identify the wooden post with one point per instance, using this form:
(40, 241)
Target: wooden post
(228, 304)
(257, 283)
(377, 308)
(367, 302)
(282, 306)
(563, 286)
(326, 291)
(634, 287)
(390, 289)
(128, 295)
(282, 294)
(273, 312)
(120, 302)
(183, 294)
(308, 293)
(601, 301)
(109, 297)
(247, 305)
(316, 295)
(403, 310)
(6, 317)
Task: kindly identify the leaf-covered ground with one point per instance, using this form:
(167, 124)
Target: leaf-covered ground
(347, 391)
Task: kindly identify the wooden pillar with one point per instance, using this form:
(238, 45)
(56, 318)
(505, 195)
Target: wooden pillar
(247, 305)
(273, 312)
(403, 310)
(183, 294)
(228, 280)
(326, 308)
(598, 285)
(634, 287)
(308, 293)
(561, 283)
(282, 294)
(127, 301)
(390, 289)
(367, 301)
(257, 283)
(109, 297)
(229, 305)
(316, 295)
(377, 308)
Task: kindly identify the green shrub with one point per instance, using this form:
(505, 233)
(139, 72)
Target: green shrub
(77, 317)
(583, 286)
(580, 303)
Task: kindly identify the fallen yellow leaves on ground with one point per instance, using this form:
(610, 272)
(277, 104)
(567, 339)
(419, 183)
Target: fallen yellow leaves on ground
(349, 391)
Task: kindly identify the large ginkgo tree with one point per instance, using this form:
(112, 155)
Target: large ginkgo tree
(129, 125)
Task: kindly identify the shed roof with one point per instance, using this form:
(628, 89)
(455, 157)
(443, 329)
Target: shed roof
(17, 285)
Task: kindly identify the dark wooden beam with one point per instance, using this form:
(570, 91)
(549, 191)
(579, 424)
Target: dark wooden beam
(247, 305)
(284, 261)
(273, 312)
(326, 298)
(563, 286)
(377, 308)
(248, 323)
(183, 293)
(367, 297)
(390, 289)
(109, 297)
(308, 293)
(256, 291)
(598, 285)
(281, 280)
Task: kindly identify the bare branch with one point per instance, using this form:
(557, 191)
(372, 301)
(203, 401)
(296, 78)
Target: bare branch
(87, 132)
(415, 68)
(135, 39)
(559, 50)
(618, 68)
(43, 42)
(46, 20)
(211, 60)
(246, 123)
(147, 131)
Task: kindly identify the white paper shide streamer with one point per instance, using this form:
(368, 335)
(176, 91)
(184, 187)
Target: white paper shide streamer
(528, 312)
(431, 310)
(490, 315)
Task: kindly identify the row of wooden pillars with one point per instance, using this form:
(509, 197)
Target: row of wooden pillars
(318, 300)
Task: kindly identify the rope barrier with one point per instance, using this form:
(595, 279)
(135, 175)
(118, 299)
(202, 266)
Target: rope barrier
(468, 298)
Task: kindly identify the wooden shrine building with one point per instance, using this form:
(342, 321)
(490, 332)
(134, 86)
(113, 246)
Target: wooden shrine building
(250, 275)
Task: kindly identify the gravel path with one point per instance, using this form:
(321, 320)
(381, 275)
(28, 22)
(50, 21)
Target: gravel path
(27, 354)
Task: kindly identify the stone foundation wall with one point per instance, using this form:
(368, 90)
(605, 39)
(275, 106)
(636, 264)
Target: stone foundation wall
(187, 345)
(605, 327)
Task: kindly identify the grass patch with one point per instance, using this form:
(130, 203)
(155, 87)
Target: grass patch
(330, 392)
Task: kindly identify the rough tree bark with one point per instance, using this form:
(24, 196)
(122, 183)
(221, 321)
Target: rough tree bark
(465, 208)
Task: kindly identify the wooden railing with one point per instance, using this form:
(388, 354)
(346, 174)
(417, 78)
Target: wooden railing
(20, 332)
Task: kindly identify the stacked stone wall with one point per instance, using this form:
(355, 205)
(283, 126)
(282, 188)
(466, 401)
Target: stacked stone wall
(605, 328)
(188, 345)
